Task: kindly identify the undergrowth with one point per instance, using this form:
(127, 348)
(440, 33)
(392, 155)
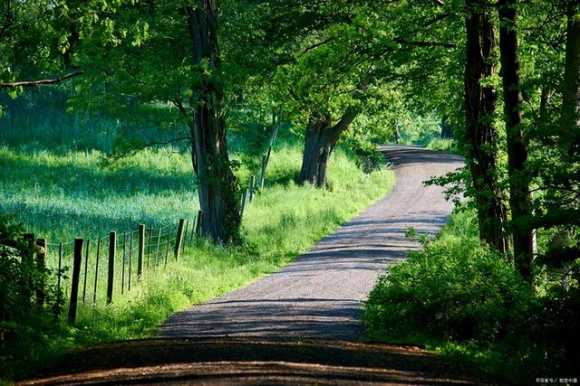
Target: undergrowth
(467, 302)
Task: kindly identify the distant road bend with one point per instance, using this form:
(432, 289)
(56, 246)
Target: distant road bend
(321, 294)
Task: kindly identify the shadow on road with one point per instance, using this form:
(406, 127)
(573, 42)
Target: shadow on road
(228, 361)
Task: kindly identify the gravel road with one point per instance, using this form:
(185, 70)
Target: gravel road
(321, 294)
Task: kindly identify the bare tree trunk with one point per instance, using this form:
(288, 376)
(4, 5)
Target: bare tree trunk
(517, 148)
(321, 137)
(481, 135)
(217, 185)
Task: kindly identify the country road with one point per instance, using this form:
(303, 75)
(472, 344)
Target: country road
(321, 294)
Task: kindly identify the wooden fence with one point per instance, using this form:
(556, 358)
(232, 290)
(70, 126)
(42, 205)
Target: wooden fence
(92, 272)
(96, 271)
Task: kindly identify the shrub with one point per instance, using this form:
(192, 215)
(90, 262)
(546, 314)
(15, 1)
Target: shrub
(22, 323)
(555, 324)
(454, 289)
(368, 156)
(469, 303)
(18, 275)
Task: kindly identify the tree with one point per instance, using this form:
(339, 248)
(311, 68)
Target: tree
(517, 149)
(31, 52)
(217, 184)
(344, 54)
(166, 55)
(313, 76)
(570, 115)
(481, 135)
(320, 138)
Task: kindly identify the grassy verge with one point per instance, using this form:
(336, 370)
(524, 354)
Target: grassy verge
(468, 303)
(283, 221)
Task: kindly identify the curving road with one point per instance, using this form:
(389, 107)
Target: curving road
(253, 336)
(321, 294)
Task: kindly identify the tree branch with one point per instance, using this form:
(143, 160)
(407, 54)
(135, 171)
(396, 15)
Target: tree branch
(421, 43)
(316, 45)
(344, 122)
(129, 152)
(40, 82)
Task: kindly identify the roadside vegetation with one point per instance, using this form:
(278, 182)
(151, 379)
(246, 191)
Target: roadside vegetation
(467, 302)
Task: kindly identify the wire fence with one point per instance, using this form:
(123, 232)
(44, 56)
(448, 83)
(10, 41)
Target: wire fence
(96, 271)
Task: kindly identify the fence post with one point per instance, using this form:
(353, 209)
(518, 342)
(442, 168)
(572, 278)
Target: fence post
(111, 271)
(123, 261)
(198, 223)
(243, 202)
(41, 264)
(28, 260)
(74, 289)
(130, 261)
(263, 173)
(96, 271)
(158, 248)
(192, 230)
(251, 188)
(184, 242)
(57, 305)
(179, 238)
(86, 271)
(141, 250)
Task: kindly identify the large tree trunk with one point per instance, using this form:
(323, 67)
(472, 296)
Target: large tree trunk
(217, 185)
(519, 178)
(481, 135)
(320, 139)
(570, 120)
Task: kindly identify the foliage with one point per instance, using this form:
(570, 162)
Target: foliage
(368, 156)
(467, 302)
(21, 320)
(455, 289)
(15, 273)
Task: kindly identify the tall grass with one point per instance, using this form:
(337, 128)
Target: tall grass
(60, 196)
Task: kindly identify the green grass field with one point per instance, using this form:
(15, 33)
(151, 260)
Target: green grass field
(61, 195)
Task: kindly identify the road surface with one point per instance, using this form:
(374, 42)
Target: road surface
(321, 294)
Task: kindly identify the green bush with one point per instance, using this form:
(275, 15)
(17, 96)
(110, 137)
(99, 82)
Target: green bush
(22, 322)
(555, 324)
(368, 156)
(454, 289)
(469, 303)
(19, 276)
